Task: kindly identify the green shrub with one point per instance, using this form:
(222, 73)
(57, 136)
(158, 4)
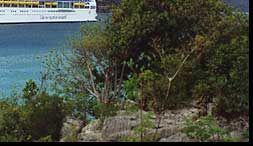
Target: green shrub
(103, 110)
(204, 129)
(131, 108)
(45, 139)
(131, 89)
(229, 139)
(245, 134)
(45, 117)
(8, 139)
(11, 122)
(30, 90)
(223, 72)
(33, 117)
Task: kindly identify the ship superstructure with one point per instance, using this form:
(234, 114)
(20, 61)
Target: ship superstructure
(25, 11)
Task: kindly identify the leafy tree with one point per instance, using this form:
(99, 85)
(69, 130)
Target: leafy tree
(89, 72)
(165, 52)
(175, 41)
(224, 70)
(162, 36)
(173, 24)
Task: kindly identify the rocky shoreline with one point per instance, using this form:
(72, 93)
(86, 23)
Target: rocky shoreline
(116, 128)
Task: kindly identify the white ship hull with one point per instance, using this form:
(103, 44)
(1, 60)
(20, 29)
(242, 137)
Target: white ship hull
(34, 15)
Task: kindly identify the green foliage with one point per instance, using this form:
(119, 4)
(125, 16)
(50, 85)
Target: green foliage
(157, 36)
(229, 139)
(45, 139)
(11, 122)
(136, 23)
(223, 72)
(174, 50)
(30, 90)
(131, 88)
(103, 110)
(34, 119)
(8, 139)
(87, 77)
(132, 108)
(204, 129)
(46, 116)
(245, 134)
(146, 81)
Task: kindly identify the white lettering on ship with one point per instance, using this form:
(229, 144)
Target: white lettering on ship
(52, 17)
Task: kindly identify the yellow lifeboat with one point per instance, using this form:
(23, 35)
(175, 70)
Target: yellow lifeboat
(51, 3)
(15, 2)
(54, 3)
(47, 3)
(28, 3)
(35, 3)
(7, 1)
(79, 4)
(21, 3)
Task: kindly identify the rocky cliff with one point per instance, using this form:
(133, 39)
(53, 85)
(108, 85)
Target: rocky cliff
(121, 126)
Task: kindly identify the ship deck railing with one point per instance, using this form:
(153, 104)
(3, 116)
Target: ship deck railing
(85, 4)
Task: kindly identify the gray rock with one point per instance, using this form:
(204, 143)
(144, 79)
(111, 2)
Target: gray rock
(123, 124)
(178, 137)
(113, 127)
(93, 126)
(163, 132)
(70, 129)
(91, 132)
(90, 136)
(115, 137)
(236, 134)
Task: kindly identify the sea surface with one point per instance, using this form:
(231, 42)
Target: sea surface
(242, 5)
(21, 46)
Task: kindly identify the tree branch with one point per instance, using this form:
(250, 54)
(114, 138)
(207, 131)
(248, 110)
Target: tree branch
(177, 72)
(91, 79)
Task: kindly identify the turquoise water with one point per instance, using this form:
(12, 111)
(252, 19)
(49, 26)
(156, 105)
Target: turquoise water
(22, 44)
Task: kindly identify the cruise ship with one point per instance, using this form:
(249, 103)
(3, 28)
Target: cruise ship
(33, 11)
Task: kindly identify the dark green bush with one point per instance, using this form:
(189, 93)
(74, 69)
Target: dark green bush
(103, 110)
(40, 116)
(45, 116)
(223, 72)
